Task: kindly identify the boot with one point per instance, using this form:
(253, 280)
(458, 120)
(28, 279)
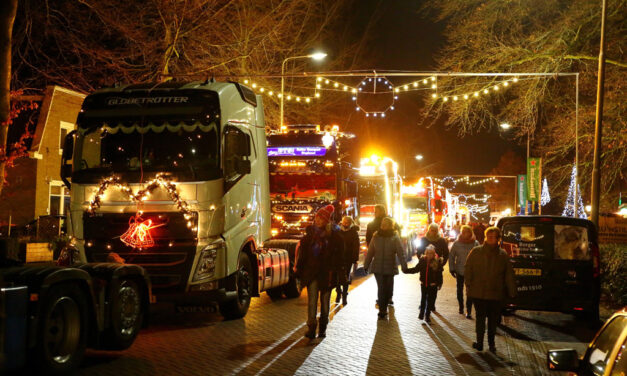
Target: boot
(322, 332)
(338, 294)
(345, 296)
(311, 331)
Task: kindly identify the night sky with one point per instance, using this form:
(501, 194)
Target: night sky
(403, 40)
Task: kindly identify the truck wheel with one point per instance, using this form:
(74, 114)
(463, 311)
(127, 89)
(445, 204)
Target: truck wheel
(275, 293)
(125, 315)
(293, 288)
(62, 330)
(237, 308)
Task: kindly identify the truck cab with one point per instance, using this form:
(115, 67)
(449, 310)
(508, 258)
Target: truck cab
(174, 177)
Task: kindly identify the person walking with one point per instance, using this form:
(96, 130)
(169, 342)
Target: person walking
(479, 231)
(433, 237)
(383, 252)
(375, 224)
(318, 266)
(489, 277)
(457, 263)
(350, 234)
(430, 269)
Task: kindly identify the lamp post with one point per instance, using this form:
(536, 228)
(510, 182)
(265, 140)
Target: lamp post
(315, 56)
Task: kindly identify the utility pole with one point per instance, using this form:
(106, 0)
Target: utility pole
(598, 126)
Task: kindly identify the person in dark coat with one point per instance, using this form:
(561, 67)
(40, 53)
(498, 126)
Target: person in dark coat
(457, 262)
(350, 234)
(433, 237)
(479, 231)
(383, 252)
(489, 278)
(375, 224)
(319, 266)
(430, 269)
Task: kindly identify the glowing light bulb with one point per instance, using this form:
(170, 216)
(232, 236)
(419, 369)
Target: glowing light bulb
(434, 86)
(434, 95)
(254, 85)
(318, 86)
(345, 87)
(515, 79)
(455, 98)
(405, 87)
(326, 81)
(424, 81)
(336, 84)
(445, 99)
(485, 91)
(476, 94)
(397, 90)
(317, 95)
(505, 83)
(307, 100)
(415, 84)
(465, 96)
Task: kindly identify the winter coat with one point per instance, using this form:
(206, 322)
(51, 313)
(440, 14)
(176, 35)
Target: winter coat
(458, 255)
(489, 274)
(429, 276)
(441, 247)
(351, 245)
(479, 231)
(383, 252)
(320, 257)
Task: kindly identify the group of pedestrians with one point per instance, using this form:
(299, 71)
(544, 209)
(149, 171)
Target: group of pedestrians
(328, 253)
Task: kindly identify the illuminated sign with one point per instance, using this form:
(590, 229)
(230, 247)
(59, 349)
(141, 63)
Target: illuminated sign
(297, 151)
(292, 208)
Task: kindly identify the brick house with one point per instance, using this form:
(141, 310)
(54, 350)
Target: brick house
(34, 184)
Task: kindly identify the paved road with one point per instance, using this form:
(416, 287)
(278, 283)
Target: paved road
(269, 340)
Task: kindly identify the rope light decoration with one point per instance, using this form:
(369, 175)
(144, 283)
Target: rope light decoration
(374, 86)
(288, 96)
(418, 85)
(138, 235)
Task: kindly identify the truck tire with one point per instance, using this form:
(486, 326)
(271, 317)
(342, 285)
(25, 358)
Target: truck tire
(61, 330)
(275, 293)
(237, 308)
(125, 315)
(293, 288)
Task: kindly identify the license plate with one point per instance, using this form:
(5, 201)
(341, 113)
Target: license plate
(523, 271)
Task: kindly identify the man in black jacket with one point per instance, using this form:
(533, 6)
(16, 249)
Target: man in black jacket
(319, 266)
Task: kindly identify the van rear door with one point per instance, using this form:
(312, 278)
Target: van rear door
(529, 245)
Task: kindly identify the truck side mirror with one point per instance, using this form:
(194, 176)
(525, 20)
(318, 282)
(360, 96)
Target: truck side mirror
(563, 360)
(68, 151)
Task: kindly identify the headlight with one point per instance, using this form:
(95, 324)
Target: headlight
(206, 266)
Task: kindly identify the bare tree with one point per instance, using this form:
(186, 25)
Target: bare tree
(537, 36)
(8, 9)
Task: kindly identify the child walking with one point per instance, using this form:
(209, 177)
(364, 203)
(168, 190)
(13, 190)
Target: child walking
(430, 269)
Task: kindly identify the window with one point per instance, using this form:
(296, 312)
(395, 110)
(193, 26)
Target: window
(527, 240)
(59, 199)
(599, 353)
(64, 129)
(236, 152)
(571, 243)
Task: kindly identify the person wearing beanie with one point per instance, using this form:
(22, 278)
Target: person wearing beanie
(433, 237)
(319, 264)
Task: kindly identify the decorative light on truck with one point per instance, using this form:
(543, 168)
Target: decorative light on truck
(138, 234)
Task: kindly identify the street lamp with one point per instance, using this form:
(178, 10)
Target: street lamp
(417, 157)
(315, 56)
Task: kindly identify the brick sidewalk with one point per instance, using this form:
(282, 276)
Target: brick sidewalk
(357, 343)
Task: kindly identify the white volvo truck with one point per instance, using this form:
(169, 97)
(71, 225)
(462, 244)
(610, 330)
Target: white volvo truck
(174, 177)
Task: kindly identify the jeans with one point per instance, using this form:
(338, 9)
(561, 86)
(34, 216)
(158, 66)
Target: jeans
(460, 295)
(385, 285)
(428, 294)
(490, 309)
(312, 304)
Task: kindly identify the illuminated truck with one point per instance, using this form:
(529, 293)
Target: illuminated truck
(378, 183)
(307, 173)
(415, 213)
(174, 177)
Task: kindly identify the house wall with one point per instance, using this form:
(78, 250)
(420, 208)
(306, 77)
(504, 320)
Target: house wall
(18, 195)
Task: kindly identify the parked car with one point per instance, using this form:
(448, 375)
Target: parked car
(556, 264)
(606, 354)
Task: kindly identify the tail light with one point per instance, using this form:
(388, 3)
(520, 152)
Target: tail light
(596, 260)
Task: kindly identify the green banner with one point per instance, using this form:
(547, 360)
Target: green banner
(534, 176)
(522, 191)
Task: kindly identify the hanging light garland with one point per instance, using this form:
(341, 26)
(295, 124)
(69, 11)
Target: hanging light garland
(329, 84)
(478, 93)
(430, 82)
(287, 96)
(371, 85)
(466, 180)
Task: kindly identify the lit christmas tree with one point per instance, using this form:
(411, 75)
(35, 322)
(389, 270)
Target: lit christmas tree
(545, 197)
(569, 207)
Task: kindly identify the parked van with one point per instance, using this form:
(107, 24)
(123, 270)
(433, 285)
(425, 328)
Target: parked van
(556, 263)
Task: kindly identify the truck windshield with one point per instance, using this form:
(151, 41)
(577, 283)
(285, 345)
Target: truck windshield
(188, 151)
(416, 203)
(372, 192)
(308, 186)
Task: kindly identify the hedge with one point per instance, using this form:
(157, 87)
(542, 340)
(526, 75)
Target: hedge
(614, 273)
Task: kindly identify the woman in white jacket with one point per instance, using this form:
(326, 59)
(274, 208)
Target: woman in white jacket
(457, 262)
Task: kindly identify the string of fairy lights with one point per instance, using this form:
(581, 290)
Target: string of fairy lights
(381, 85)
(450, 182)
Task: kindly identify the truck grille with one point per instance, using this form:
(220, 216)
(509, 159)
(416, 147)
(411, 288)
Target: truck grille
(168, 262)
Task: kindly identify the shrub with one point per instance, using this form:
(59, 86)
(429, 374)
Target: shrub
(614, 273)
